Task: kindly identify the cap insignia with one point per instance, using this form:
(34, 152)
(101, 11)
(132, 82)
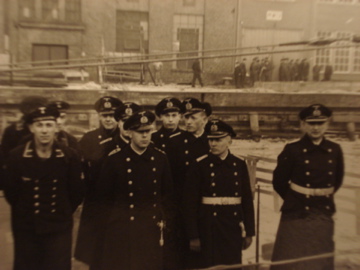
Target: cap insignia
(316, 111)
(188, 106)
(42, 110)
(128, 111)
(169, 104)
(107, 105)
(144, 120)
(214, 127)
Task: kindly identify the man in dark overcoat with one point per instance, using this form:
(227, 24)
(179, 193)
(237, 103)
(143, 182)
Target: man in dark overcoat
(44, 186)
(136, 183)
(169, 111)
(94, 147)
(307, 175)
(218, 203)
(182, 150)
(196, 67)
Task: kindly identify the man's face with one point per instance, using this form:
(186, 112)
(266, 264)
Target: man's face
(140, 139)
(108, 121)
(315, 130)
(44, 131)
(220, 146)
(170, 120)
(61, 120)
(123, 132)
(196, 122)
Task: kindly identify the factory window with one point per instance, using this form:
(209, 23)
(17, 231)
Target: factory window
(27, 9)
(45, 52)
(343, 60)
(72, 10)
(187, 37)
(132, 31)
(50, 10)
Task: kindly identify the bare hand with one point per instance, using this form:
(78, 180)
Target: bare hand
(195, 245)
(247, 242)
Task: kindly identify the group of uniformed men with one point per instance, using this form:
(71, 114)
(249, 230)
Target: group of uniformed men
(165, 199)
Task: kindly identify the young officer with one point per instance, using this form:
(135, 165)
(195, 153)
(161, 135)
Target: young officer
(307, 175)
(136, 183)
(121, 139)
(94, 149)
(44, 186)
(218, 203)
(169, 112)
(182, 150)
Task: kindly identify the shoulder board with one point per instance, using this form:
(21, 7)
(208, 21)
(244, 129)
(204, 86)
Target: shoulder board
(106, 140)
(201, 158)
(175, 134)
(116, 150)
(161, 151)
(59, 153)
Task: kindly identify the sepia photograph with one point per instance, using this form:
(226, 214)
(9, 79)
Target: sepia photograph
(179, 134)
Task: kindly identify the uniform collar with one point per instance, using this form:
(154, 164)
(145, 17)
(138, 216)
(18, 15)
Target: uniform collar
(324, 145)
(135, 156)
(29, 150)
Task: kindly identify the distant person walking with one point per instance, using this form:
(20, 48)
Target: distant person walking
(196, 67)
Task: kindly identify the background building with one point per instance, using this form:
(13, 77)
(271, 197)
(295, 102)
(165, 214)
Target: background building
(36, 30)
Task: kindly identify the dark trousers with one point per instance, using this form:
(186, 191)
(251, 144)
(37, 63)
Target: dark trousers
(197, 76)
(42, 251)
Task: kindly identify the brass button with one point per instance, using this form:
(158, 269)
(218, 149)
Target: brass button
(215, 214)
(132, 218)
(131, 206)
(307, 173)
(213, 184)
(163, 145)
(36, 196)
(36, 204)
(129, 170)
(37, 211)
(154, 169)
(131, 194)
(155, 181)
(307, 161)
(152, 158)
(53, 210)
(130, 182)
(187, 163)
(307, 208)
(211, 165)
(128, 159)
(212, 174)
(235, 173)
(36, 188)
(214, 194)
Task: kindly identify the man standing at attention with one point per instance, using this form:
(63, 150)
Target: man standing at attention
(136, 183)
(169, 112)
(182, 150)
(44, 186)
(307, 175)
(218, 202)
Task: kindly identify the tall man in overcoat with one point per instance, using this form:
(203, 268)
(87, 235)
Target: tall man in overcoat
(218, 202)
(44, 186)
(136, 183)
(182, 150)
(94, 147)
(308, 174)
